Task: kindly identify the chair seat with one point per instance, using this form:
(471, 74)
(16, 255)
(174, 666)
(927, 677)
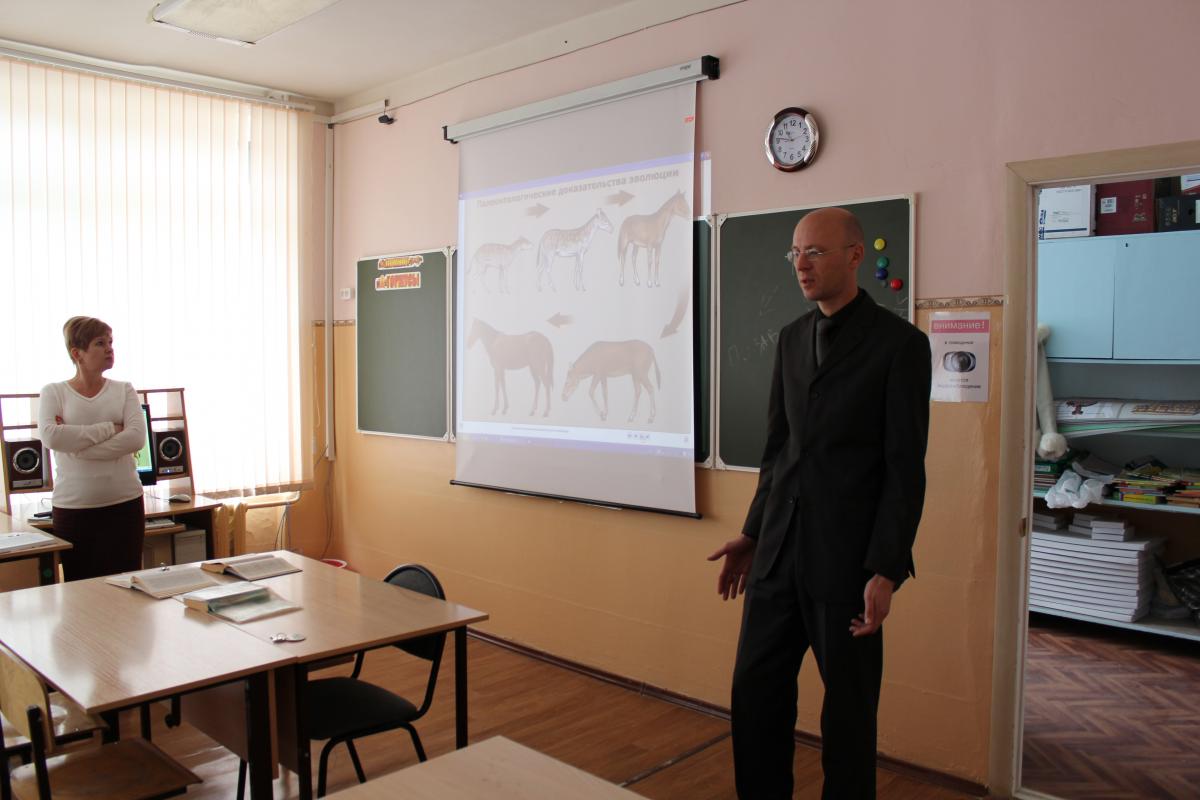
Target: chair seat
(341, 706)
(131, 769)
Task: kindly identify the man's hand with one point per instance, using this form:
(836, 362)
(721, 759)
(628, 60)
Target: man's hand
(877, 602)
(739, 555)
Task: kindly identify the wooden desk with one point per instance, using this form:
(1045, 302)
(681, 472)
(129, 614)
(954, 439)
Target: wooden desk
(196, 515)
(496, 769)
(46, 553)
(343, 612)
(108, 649)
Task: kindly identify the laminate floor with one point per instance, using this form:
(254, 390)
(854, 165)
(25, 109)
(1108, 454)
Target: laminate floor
(1110, 714)
(657, 749)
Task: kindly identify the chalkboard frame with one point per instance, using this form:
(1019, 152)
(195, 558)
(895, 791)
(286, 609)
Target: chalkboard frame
(717, 346)
(448, 253)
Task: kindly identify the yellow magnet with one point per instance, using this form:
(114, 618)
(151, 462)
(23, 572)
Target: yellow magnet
(880, 243)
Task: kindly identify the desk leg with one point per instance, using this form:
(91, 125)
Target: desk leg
(299, 729)
(258, 736)
(113, 732)
(460, 687)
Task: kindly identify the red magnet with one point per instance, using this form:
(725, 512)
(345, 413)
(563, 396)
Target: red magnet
(896, 284)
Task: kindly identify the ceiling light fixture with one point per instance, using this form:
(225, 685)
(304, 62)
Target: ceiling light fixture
(240, 22)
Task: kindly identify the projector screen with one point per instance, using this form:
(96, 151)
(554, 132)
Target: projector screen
(574, 305)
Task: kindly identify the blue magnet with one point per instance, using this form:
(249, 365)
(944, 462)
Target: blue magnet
(882, 272)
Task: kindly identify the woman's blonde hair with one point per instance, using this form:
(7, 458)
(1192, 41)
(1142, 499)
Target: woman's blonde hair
(78, 332)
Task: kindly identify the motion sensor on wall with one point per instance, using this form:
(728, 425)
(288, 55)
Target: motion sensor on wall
(386, 119)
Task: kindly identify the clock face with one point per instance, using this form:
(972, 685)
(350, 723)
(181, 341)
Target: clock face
(792, 139)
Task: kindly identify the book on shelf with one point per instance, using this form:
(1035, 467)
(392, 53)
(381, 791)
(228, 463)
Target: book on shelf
(1088, 599)
(21, 540)
(238, 602)
(252, 567)
(163, 582)
(1051, 606)
(1089, 544)
(160, 522)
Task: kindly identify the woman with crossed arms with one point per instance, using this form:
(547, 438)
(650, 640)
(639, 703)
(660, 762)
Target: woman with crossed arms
(94, 426)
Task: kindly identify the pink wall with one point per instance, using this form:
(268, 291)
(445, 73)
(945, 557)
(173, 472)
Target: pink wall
(932, 97)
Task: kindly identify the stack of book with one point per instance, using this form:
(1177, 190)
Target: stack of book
(1046, 473)
(1050, 520)
(1187, 491)
(1148, 483)
(1112, 530)
(1095, 526)
(1077, 573)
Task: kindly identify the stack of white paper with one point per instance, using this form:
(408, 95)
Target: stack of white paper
(1076, 573)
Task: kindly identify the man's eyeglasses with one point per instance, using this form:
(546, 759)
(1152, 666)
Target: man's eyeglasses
(812, 255)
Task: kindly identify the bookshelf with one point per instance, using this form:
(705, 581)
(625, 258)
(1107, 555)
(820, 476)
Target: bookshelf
(1170, 509)
(1121, 310)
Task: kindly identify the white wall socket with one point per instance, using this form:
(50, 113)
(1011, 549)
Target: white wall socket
(346, 294)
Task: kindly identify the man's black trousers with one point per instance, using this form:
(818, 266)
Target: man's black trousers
(780, 621)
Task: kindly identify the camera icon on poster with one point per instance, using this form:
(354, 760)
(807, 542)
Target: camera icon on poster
(958, 361)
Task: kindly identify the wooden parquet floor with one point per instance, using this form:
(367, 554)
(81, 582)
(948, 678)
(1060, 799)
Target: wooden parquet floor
(1110, 714)
(657, 749)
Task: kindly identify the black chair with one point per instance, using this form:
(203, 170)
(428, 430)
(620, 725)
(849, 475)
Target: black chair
(347, 708)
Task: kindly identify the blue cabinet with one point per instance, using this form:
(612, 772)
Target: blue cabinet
(1157, 310)
(1075, 296)
(1122, 297)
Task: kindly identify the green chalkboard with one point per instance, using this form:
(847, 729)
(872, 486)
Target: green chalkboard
(403, 334)
(758, 294)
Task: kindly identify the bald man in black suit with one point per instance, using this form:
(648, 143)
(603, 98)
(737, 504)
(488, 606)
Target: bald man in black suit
(830, 530)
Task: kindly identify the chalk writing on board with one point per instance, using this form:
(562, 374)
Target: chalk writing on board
(766, 303)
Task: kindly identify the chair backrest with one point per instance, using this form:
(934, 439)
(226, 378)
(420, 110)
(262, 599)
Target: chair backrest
(20, 688)
(417, 578)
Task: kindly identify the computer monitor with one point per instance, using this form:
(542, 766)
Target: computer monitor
(147, 466)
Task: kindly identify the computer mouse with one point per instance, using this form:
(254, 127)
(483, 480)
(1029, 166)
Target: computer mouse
(179, 498)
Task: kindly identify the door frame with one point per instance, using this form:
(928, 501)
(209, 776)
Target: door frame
(1021, 180)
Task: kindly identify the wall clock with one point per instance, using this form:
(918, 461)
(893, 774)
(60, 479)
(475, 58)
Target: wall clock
(792, 139)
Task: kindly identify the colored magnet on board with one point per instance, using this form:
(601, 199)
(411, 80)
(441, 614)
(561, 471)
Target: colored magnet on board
(882, 262)
(881, 273)
(896, 284)
(880, 243)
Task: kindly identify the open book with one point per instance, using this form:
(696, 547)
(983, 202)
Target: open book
(238, 602)
(19, 540)
(252, 567)
(164, 581)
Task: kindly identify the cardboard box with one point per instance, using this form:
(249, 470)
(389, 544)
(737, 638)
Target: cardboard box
(1066, 212)
(1178, 213)
(1128, 206)
(190, 546)
(156, 551)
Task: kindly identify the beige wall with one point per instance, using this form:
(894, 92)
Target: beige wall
(932, 97)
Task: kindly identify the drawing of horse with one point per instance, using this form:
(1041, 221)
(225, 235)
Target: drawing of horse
(572, 242)
(499, 257)
(516, 351)
(604, 360)
(648, 231)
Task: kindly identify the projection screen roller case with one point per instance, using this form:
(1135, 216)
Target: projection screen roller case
(574, 305)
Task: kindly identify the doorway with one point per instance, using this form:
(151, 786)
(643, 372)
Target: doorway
(1054, 674)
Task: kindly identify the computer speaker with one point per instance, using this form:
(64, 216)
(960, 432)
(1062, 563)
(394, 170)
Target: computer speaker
(171, 447)
(25, 464)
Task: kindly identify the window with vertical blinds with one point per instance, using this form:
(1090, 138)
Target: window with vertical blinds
(172, 216)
